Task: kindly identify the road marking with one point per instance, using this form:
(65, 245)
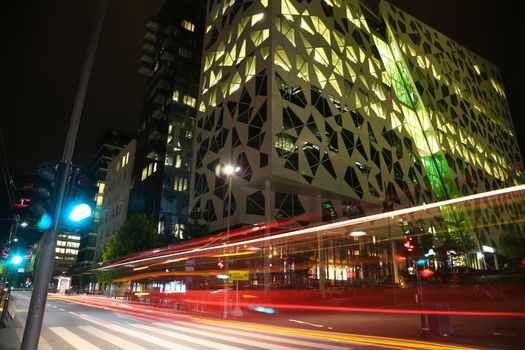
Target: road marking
(391, 343)
(73, 339)
(265, 335)
(134, 333)
(200, 341)
(62, 309)
(117, 341)
(307, 323)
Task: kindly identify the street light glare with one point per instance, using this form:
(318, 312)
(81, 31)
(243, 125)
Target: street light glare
(23, 224)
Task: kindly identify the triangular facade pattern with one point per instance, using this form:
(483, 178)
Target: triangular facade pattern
(323, 100)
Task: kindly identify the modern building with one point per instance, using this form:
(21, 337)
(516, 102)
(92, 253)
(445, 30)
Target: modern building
(109, 145)
(114, 209)
(325, 102)
(171, 61)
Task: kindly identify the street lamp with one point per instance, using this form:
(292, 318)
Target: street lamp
(229, 170)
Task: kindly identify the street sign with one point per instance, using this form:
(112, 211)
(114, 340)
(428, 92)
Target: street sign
(239, 275)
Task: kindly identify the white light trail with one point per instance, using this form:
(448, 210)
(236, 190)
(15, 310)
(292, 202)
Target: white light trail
(335, 225)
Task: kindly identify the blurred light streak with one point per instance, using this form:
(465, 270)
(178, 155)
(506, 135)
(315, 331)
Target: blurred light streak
(392, 343)
(265, 310)
(140, 268)
(332, 226)
(396, 343)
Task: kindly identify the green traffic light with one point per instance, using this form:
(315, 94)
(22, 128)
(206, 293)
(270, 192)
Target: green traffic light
(80, 212)
(17, 259)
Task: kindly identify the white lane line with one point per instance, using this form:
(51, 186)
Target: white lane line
(212, 334)
(307, 323)
(134, 333)
(117, 341)
(62, 309)
(200, 341)
(276, 336)
(73, 339)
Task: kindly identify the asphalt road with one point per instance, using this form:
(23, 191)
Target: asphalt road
(69, 324)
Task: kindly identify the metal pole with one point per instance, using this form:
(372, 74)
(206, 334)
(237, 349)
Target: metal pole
(37, 305)
(226, 263)
(322, 267)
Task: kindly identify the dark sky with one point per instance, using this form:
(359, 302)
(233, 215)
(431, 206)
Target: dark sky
(44, 42)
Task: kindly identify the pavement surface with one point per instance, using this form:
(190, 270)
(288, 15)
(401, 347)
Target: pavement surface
(70, 325)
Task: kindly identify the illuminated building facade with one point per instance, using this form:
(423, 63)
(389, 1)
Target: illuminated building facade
(114, 209)
(171, 60)
(326, 102)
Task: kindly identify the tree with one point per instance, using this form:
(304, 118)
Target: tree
(197, 226)
(134, 236)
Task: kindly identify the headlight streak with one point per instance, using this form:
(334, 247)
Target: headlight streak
(331, 226)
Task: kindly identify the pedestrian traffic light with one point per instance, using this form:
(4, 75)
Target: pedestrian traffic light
(328, 210)
(79, 206)
(44, 194)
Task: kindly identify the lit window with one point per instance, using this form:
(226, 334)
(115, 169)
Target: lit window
(175, 96)
(188, 25)
(189, 134)
(127, 158)
(189, 100)
(123, 161)
(144, 174)
(180, 184)
(99, 201)
(101, 187)
(178, 161)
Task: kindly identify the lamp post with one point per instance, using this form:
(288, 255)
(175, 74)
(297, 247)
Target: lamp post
(228, 170)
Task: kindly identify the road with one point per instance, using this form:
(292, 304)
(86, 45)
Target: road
(70, 325)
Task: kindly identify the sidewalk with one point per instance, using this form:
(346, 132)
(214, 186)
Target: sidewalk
(11, 335)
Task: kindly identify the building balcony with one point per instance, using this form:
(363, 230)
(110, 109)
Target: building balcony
(150, 36)
(148, 48)
(152, 25)
(145, 71)
(146, 58)
(158, 114)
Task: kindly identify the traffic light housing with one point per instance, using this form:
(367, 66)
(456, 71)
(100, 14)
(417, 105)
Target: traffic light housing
(44, 194)
(328, 210)
(79, 205)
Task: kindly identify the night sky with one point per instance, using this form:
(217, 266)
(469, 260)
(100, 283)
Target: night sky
(44, 42)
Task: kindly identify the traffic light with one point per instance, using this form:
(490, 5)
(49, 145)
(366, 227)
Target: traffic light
(79, 206)
(329, 213)
(45, 191)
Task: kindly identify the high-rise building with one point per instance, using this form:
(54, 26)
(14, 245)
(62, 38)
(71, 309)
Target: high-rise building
(114, 209)
(110, 143)
(324, 101)
(171, 60)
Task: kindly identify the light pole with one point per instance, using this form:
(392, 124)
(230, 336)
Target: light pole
(228, 170)
(35, 315)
